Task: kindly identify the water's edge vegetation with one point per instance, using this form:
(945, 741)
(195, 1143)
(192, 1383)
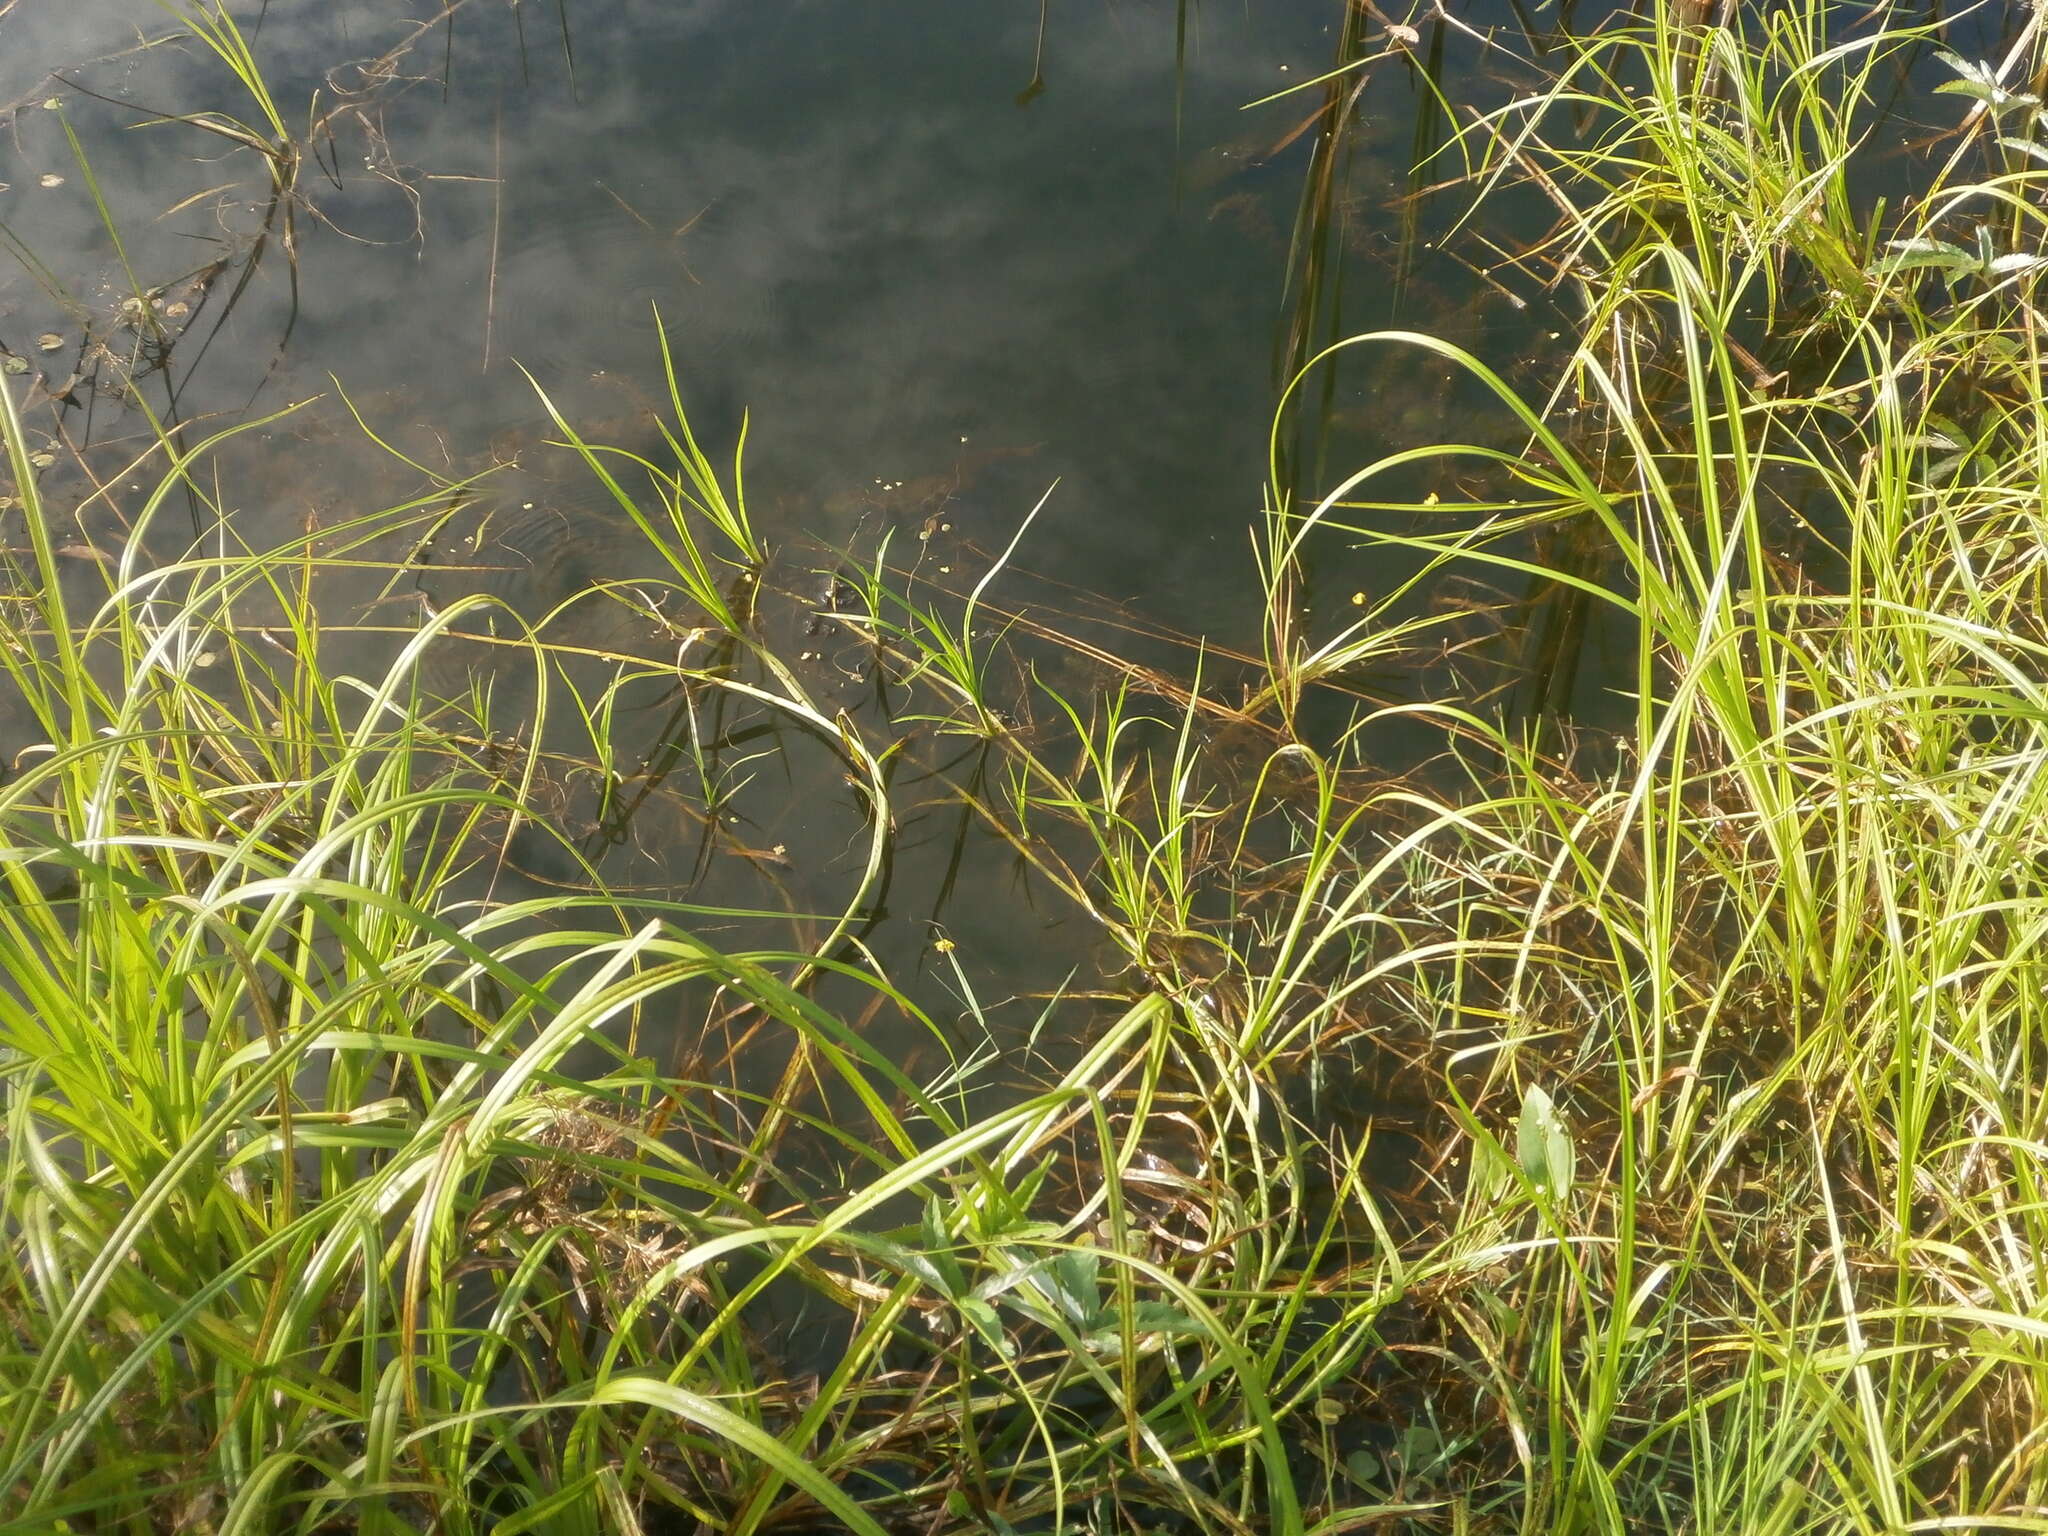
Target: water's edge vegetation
(343, 1189)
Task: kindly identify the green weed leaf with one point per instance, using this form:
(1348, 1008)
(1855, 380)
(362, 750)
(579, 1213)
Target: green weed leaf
(982, 1318)
(1543, 1146)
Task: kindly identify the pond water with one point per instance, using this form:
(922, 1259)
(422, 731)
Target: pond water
(914, 239)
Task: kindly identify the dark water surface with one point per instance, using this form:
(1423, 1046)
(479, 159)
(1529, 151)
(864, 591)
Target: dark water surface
(979, 247)
(865, 223)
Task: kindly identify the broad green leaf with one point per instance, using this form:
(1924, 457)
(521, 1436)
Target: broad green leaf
(1543, 1146)
(987, 1325)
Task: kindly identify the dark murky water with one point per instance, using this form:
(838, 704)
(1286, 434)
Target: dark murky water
(910, 238)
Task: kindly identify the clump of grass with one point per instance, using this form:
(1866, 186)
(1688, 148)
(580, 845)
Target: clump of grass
(269, 136)
(685, 493)
(1735, 1009)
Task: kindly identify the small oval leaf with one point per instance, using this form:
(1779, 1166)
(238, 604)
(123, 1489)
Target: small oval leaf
(1542, 1144)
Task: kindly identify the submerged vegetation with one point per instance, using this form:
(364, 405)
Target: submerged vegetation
(1628, 1119)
